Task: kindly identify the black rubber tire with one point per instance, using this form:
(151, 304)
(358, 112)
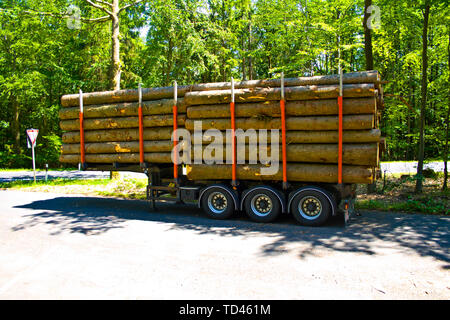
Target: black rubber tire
(313, 221)
(272, 215)
(228, 211)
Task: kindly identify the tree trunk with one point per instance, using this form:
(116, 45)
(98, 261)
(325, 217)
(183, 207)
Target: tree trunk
(169, 61)
(291, 93)
(419, 182)
(162, 133)
(351, 122)
(153, 157)
(250, 59)
(295, 172)
(115, 48)
(155, 107)
(370, 78)
(118, 147)
(353, 154)
(16, 125)
(121, 122)
(293, 108)
(447, 123)
(244, 77)
(410, 114)
(444, 187)
(368, 37)
(368, 50)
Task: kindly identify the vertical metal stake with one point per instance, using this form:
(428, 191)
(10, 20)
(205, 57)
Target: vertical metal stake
(34, 165)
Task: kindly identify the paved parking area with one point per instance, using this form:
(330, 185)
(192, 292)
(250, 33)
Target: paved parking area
(56, 246)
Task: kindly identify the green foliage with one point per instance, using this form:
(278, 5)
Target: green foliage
(212, 40)
(48, 151)
(10, 159)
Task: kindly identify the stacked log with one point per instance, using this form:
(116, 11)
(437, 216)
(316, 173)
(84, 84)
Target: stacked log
(312, 130)
(302, 172)
(151, 94)
(111, 125)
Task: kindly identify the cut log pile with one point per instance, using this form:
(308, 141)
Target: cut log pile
(111, 125)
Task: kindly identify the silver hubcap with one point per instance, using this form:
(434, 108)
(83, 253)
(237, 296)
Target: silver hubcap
(261, 205)
(217, 202)
(310, 207)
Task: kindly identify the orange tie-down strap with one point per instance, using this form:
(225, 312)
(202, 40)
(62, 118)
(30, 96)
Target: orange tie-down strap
(82, 154)
(175, 141)
(233, 144)
(141, 135)
(340, 103)
(283, 141)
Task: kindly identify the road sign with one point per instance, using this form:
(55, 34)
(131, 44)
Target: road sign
(32, 136)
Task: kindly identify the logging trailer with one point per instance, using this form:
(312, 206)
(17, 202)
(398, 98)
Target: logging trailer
(311, 204)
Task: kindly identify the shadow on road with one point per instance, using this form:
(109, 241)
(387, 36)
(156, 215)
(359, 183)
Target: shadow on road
(425, 235)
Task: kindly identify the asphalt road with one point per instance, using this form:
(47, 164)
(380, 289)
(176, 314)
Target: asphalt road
(56, 246)
(410, 167)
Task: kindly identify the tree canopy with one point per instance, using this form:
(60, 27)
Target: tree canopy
(56, 47)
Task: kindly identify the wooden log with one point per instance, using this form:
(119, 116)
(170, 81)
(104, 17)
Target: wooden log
(130, 95)
(293, 108)
(291, 93)
(127, 95)
(161, 133)
(351, 122)
(359, 77)
(154, 157)
(295, 172)
(353, 154)
(121, 122)
(156, 107)
(349, 136)
(118, 147)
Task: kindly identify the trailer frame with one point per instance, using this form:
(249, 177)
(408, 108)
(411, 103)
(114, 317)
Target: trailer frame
(162, 188)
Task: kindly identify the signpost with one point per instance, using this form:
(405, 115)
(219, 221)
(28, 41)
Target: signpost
(32, 136)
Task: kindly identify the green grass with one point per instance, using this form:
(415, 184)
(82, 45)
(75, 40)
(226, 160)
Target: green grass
(127, 188)
(54, 182)
(429, 206)
(37, 169)
(119, 188)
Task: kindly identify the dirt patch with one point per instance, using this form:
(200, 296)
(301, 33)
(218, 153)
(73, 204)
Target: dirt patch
(398, 194)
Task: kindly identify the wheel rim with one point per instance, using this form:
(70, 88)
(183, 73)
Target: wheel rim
(217, 202)
(310, 207)
(261, 205)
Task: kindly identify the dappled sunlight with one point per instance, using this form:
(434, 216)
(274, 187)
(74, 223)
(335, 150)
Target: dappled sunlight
(426, 236)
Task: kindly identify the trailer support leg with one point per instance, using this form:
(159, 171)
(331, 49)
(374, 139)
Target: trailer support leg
(153, 179)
